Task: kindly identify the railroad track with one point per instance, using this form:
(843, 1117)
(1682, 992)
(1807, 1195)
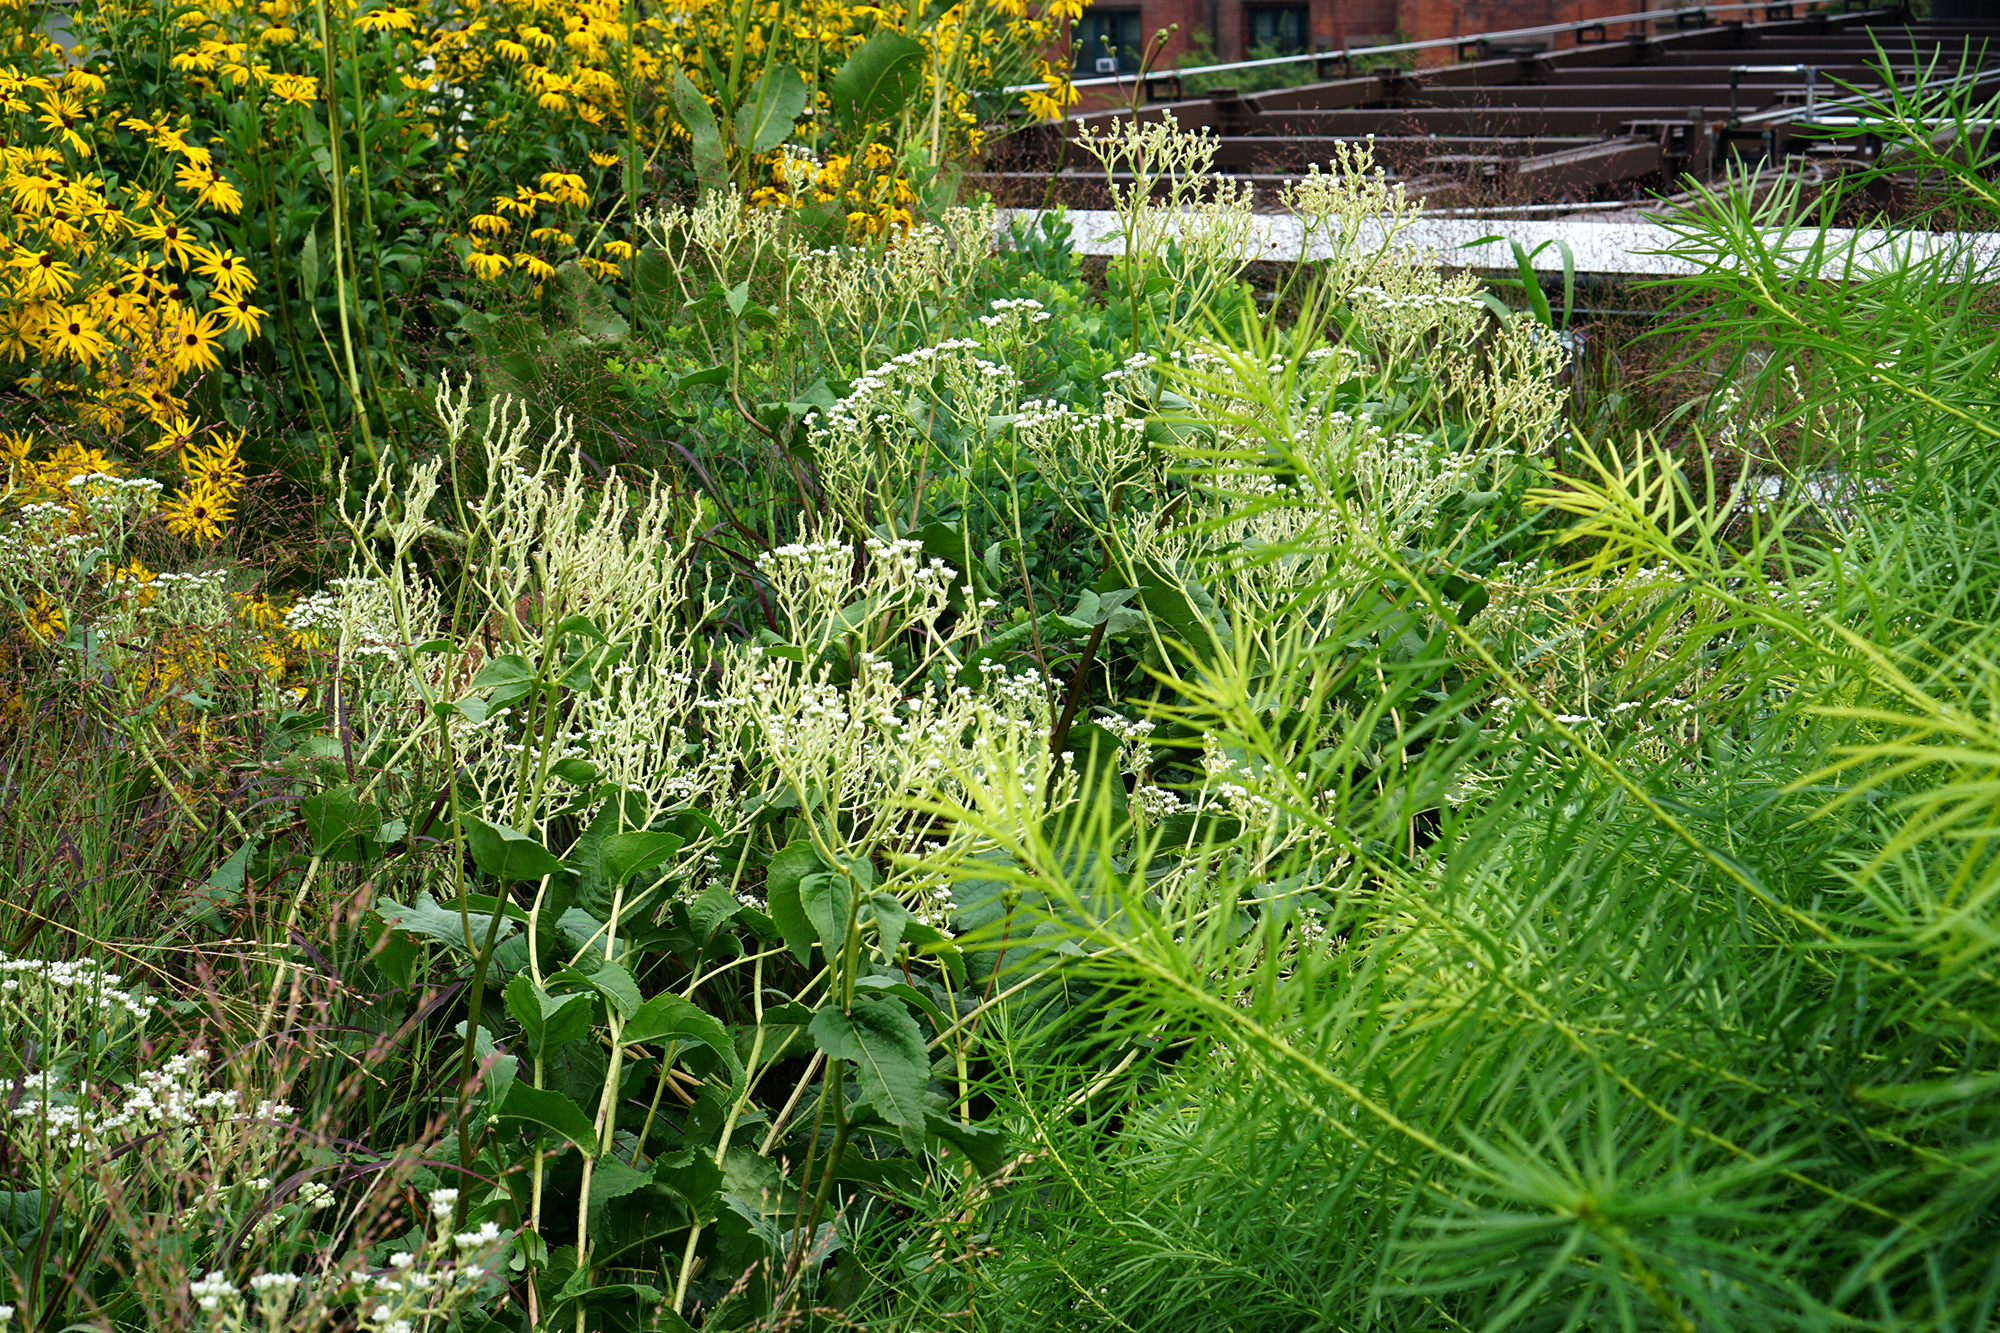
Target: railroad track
(1627, 110)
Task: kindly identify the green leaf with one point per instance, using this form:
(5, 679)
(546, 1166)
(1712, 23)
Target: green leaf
(583, 625)
(612, 1179)
(549, 1021)
(891, 919)
(781, 890)
(309, 264)
(611, 981)
(698, 119)
(508, 854)
(509, 677)
(224, 885)
(666, 1017)
(433, 922)
(909, 994)
(337, 816)
(827, 896)
(694, 1176)
(548, 1108)
(877, 79)
(886, 1047)
(577, 772)
(983, 1145)
(622, 855)
(776, 101)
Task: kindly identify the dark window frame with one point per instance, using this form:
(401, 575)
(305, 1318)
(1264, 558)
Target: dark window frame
(1123, 29)
(1296, 42)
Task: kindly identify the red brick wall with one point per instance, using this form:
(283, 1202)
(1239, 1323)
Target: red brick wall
(1424, 20)
(1336, 23)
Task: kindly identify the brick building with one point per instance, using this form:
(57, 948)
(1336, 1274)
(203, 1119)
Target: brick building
(1118, 30)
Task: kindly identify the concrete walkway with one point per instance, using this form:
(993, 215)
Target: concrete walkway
(1628, 248)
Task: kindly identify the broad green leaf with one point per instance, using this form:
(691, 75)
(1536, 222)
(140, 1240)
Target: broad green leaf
(622, 855)
(549, 1021)
(427, 918)
(509, 677)
(983, 1145)
(904, 991)
(886, 1048)
(781, 891)
(826, 897)
(224, 885)
(692, 1175)
(610, 980)
(698, 119)
(337, 816)
(667, 1017)
(891, 919)
(549, 1108)
(498, 1070)
(508, 854)
(612, 1179)
(775, 103)
(309, 264)
(877, 79)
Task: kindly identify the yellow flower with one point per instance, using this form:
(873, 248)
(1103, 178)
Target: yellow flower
(195, 343)
(537, 267)
(177, 435)
(131, 579)
(43, 274)
(489, 223)
(295, 89)
(174, 240)
(209, 186)
(486, 265)
(604, 159)
(71, 333)
(61, 115)
(225, 269)
(217, 463)
(238, 313)
(197, 512)
(386, 20)
(565, 189)
(618, 250)
(44, 619)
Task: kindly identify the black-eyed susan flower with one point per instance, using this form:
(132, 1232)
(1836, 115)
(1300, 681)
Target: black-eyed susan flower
(196, 343)
(73, 334)
(225, 269)
(487, 265)
(238, 314)
(197, 512)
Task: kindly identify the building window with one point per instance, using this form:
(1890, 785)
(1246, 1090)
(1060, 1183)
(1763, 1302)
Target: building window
(1108, 41)
(1279, 30)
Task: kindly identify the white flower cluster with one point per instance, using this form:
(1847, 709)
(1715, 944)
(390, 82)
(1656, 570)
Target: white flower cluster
(1417, 300)
(421, 1288)
(75, 995)
(1101, 448)
(115, 500)
(358, 614)
(169, 1097)
(812, 581)
(1011, 319)
(871, 444)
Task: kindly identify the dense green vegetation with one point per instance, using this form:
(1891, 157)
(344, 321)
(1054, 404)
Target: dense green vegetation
(903, 785)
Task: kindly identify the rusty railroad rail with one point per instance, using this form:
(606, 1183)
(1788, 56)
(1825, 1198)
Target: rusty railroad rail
(1610, 118)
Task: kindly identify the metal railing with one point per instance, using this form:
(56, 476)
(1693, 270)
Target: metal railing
(1684, 19)
(1736, 73)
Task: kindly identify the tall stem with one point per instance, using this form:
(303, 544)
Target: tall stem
(338, 184)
